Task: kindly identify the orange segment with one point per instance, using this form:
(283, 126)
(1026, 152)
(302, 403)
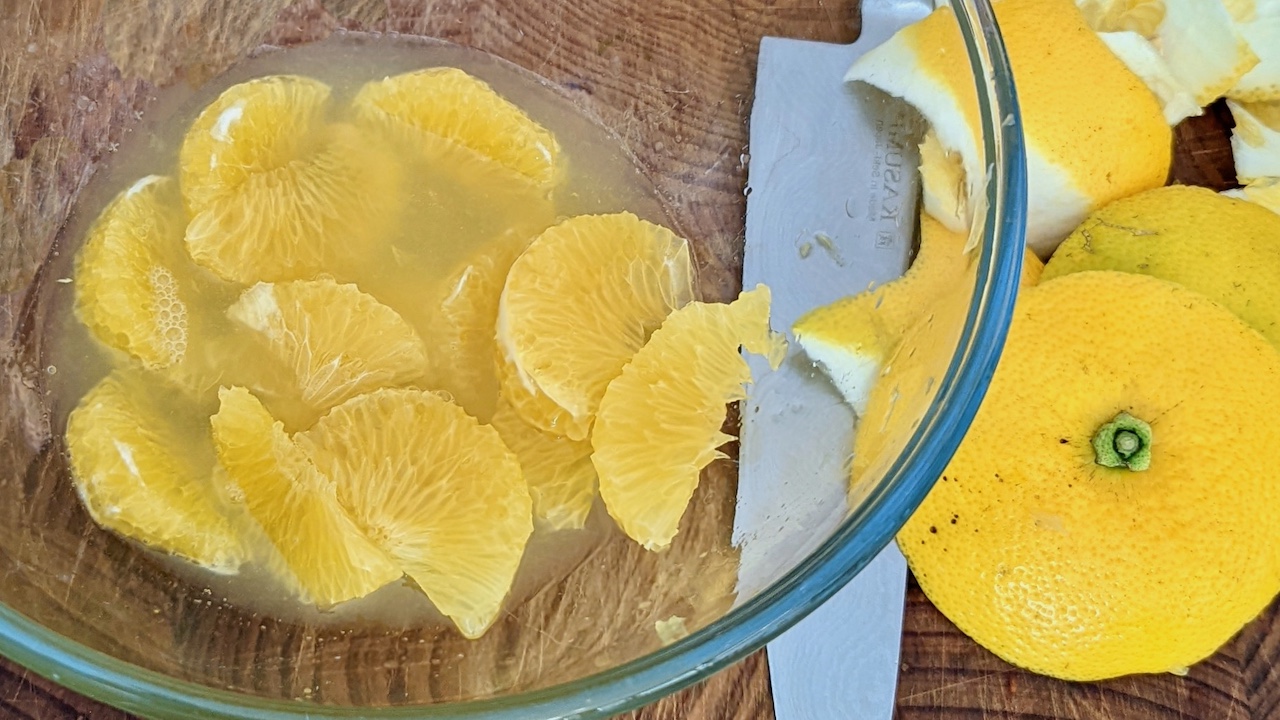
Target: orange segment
(580, 301)
(141, 475)
(444, 109)
(275, 193)
(130, 290)
(561, 478)
(338, 341)
(535, 408)
(326, 211)
(433, 488)
(328, 558)
(660, 420)
(257, 126)
(460, 328)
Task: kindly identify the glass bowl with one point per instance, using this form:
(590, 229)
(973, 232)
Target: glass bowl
(672, 81)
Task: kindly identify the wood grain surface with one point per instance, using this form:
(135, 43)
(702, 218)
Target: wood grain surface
(687, 127)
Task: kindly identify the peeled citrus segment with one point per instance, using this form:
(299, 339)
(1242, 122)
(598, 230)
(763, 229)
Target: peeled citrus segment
(459, 330)
(433, 488)
(327, 209)
(1255, 140)
(1264, 192)
(257, 126)
(853, 337)
(558, 471)
(227, 354)
(1087, 142)
(660, 420)
(328, 559)
(338, 341)
(536, 408)
(129, 287)
(440, 109)
(1198, 39)
(1225, 249)
(581, 300)
(1069, 568)
(1143, 59)
(144, 477)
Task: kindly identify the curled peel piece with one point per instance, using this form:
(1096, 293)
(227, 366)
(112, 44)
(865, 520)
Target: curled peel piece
(1255, 141)
(1261, 29)
(1263, 191)
(1068, 125)
(852, 338)
(1199, 40)
(1143, 59)
(1204, 47)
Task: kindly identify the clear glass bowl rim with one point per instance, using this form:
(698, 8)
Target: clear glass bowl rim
(866, 531)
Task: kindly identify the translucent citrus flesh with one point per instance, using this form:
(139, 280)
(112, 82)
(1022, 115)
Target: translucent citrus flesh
(439, 492)
(534, 407)
(660, 420)
(257, 126)
(144, 478)
(581, 300)
(558, 471)
(462, 319)
(130, 289)
(338, 341)
(438, 110)
(328, 209)
(328, 559)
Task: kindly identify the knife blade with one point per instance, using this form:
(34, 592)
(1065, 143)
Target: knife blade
(832, 197)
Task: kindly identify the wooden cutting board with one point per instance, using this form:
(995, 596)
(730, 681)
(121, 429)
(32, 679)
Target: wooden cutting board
(686, 123)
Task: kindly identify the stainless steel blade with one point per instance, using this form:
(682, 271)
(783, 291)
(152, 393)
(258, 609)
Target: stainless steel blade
(831, 208)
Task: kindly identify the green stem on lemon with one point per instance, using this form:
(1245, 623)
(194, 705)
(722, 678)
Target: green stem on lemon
(1125, 442)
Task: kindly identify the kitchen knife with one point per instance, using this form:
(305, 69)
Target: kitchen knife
(832, 198)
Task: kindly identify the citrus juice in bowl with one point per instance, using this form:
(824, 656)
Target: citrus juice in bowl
(357, 512)
(290, 278)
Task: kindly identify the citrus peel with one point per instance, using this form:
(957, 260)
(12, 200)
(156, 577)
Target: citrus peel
(852, 338)
(1264, 192)
(1199, 40)
(1255, 140)
(1087, 143)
